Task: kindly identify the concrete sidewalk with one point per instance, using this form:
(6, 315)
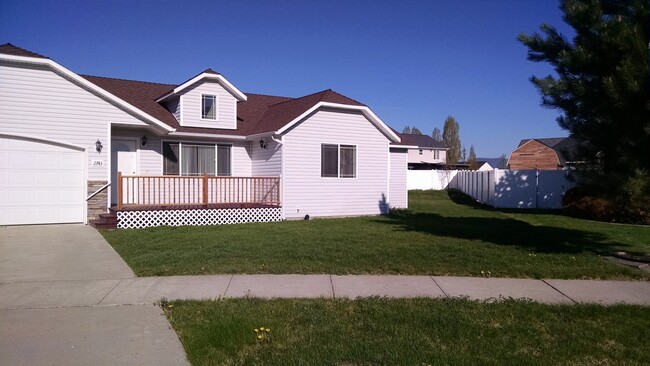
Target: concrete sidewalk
(148, 290)
(57, 268)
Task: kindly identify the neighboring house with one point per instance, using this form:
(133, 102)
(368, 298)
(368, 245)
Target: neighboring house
(488, 164)
(424, 152)
(201, 152)
(483, 165)
(544, 154)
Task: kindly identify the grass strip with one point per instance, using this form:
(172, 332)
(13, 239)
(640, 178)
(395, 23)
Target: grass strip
(380, 331)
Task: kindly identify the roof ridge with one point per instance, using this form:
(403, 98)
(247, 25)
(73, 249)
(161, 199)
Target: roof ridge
(303, 97)
(269, 95)
(121, 79)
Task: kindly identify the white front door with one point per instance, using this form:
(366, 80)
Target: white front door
(123, 159)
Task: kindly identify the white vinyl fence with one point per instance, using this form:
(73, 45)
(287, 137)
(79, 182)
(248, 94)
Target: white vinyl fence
(500, 188)
(429, 179)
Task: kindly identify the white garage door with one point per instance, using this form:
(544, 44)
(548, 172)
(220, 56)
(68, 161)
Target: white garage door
(40, 182)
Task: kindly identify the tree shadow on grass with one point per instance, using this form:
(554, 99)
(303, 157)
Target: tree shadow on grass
(461, 198)
(505, 231)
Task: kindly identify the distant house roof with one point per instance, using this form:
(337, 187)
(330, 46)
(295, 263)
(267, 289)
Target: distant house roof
(256, 114)
(565, 147)
(494, 162)
(421, 141)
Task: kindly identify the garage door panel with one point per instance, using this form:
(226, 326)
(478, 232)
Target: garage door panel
(40, 183)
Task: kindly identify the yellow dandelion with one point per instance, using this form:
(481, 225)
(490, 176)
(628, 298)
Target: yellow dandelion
(482, 272)
(256, 330)
(262, 329)
(268, 330)
(259, 336)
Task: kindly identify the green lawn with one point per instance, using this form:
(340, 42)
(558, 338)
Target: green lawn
(436, 236)
(409, 332)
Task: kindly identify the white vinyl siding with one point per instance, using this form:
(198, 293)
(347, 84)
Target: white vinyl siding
(266, 162)
(241, 159)
(191, 108)
(426, 155)
(174, 106)
(307, 193)
(38, 102)
(398, 197)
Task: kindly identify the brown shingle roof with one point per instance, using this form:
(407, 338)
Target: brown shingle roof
(279, 114)
(9, 49)
(421, 141)
(260, 113)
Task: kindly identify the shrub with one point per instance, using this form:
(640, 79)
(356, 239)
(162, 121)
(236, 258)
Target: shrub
(629, 203)
(578, 203)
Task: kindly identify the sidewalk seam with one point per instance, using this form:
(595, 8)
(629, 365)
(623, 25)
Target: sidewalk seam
(440, 287)
(332, 285)
(228, 286)
(561, 293)
(109, 292)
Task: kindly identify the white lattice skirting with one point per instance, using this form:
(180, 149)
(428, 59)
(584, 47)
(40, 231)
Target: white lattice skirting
(220, 216)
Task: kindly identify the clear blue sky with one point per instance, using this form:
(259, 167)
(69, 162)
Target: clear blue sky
(414, 63)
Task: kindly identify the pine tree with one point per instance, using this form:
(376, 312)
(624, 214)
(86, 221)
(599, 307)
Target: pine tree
(436, 134)
(451, 138)
(473, 164)
(416, 131)
(601, 86)
(406, 130)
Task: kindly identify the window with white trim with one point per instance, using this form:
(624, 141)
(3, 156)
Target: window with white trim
(190, 159)
(209, 106)
(338, 161)
(436, 154)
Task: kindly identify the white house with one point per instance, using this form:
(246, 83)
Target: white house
(424, 152)
(202, 152)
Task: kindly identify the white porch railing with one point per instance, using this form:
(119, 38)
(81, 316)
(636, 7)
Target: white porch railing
(134, 190)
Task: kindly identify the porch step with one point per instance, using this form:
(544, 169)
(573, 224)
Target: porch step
(105, 221)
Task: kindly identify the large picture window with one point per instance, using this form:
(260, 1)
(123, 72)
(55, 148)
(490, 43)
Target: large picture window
(187, 159)
(209, 107)
(338, 161)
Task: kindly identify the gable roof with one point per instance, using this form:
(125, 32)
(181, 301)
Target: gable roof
(421, 141)
(564, 147)
(256, 113)
(277, 115)
(208, 74)
(550, 142)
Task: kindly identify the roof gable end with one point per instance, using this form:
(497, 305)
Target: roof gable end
(207, 75)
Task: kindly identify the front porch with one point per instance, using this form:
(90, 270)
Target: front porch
(149, 201)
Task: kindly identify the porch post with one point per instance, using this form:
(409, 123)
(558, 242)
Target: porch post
(119, 190)
(205, 189)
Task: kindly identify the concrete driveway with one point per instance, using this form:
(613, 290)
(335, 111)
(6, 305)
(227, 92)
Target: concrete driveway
(57, 252)
(34, 262)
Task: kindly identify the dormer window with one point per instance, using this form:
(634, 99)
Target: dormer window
(208, 106)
